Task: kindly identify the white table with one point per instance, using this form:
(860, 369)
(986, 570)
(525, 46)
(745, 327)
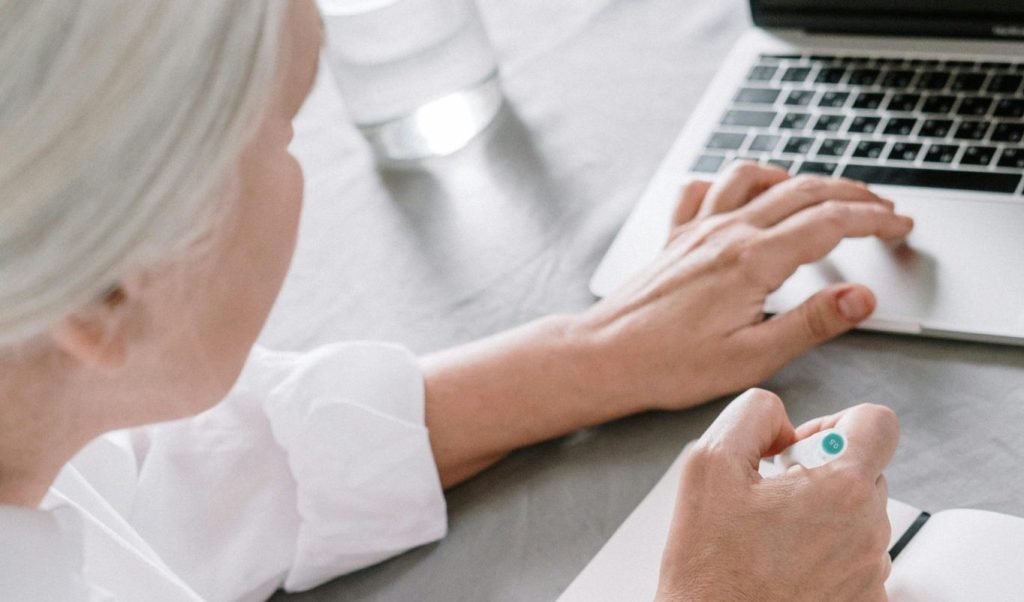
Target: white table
(512, 227)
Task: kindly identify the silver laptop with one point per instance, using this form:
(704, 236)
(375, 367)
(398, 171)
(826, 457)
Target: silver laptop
(923, 99)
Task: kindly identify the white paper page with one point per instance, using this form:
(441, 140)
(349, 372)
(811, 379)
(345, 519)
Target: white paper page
(962, 556)
(627, 567)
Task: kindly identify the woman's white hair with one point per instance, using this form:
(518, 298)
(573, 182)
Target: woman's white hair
(119, 119)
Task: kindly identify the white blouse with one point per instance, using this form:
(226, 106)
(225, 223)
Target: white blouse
(315, 465)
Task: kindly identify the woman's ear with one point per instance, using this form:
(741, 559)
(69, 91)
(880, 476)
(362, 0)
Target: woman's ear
(96, 335)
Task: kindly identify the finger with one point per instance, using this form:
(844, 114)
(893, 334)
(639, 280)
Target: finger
(752, 427)
(863, 419)
(824, 316)
(690, 200)
(816, 425)
(872, 434)
(882, 487)
(797, 194)
(811, 234)
(741, 182)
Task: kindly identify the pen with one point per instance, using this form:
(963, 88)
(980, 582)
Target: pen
(817, 450)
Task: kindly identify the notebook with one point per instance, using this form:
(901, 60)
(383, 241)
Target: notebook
(948, 556)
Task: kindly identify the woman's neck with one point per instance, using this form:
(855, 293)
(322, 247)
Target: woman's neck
(40, 431)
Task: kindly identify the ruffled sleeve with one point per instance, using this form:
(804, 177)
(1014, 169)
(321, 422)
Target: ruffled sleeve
(315, 465)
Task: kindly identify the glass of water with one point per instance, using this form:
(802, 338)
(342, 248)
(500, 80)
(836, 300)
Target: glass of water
(419, 77)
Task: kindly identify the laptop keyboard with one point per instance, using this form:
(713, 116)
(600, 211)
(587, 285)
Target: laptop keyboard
(883, 120)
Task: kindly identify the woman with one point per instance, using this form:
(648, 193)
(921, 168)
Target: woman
(149, 210)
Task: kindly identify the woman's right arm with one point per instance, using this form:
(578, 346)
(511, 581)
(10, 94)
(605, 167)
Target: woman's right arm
(805, 535)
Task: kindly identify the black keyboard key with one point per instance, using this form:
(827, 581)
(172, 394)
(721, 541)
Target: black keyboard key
(941, 153)
(978, 155)
(794, 121)
(764, 143)
(934, 178)
(1008, 132)
(904, 151)
(1010, 107)
(829, 123)
(905, 103)
(708, 164)
(868, 100)
(933, 80)
(762, 73)
(968, 81)
(864, 125)
(818, 168)
(936, 128)
(796, 74)
(799, 98)
(900, 126)
(757, 119)
(897, 78)
(833, 147)
(989, 65)
(783, 163)
(781, 57)
(963, 65)
(833, 99)
(971, 130)
(869, 149)
(1012, 158)
(726, 141)
(1004, 83)
(798, 145)
(758, 96)
(938, 104)
(822, 58)
(830, 75)
(863, 77)
(974, 106)
(888, 61)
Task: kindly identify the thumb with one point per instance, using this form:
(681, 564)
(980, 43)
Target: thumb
(824, 316)
(753, 426)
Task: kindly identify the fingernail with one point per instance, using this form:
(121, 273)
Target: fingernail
(854, 305)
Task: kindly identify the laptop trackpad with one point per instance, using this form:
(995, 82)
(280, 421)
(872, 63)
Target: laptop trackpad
(961, 270)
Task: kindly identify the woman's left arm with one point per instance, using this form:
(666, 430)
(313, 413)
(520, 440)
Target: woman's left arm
(689, 329)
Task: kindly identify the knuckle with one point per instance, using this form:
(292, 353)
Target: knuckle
(818, 325)
(834, 212)
(704, 457)
(886, 568)
(691, 187)
(882, 534)
(812, 185)
(764, 398)
(733, 252)
(745, 169)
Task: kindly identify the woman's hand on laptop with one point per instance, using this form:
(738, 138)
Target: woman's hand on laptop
(806, 534)
(691, 327)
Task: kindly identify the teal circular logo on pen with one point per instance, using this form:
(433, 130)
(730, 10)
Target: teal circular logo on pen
(832, 444)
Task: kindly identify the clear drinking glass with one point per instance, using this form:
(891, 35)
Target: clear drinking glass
(419, 77)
